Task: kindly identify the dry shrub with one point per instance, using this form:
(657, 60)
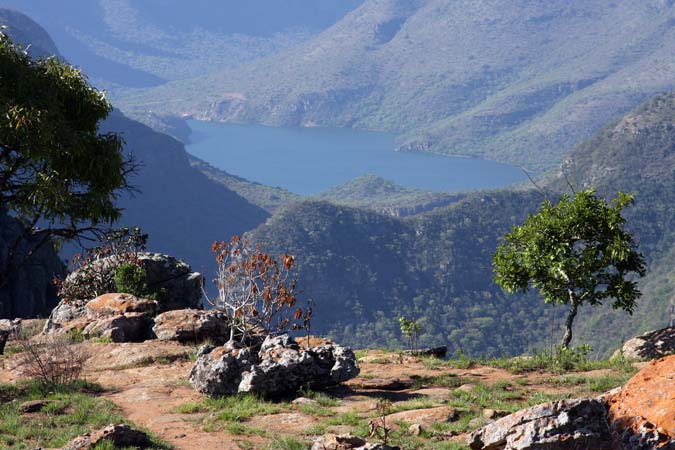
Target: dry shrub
(52, 360)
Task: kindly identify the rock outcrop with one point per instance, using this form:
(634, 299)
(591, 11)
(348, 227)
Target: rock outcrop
(346, 442)
(191, 325)
(178, 287)
(118, 317)
(119, 436)
(561, 425)
(651, 345)
(642, 413)
(280, 368)
(29, 291)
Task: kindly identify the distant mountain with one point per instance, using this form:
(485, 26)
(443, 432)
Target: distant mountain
(27, 33)
(367, 269)
(142, 43)
(520, 82)
(378, 194)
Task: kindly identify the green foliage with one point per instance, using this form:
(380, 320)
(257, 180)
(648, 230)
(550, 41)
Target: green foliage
(574, 252)
(57, 173)
(411, 329)
(131, 279)
(75, 409)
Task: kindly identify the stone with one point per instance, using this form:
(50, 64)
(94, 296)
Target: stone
(4, 335)
(11, 326)
(33, 406)
(561, 425)
(129, 327)
(118, 435)
(218, 371)
(415, 429)
(338, 442)
(467, 387)
(651, 345)
(382, 384)
(65, 311)
(436, 352)
(114, 304)
(281, 367)
(181, 288)
(425, 417)
(191, 325)
(642, 413)
(284, 367)
(494, 413)
(304, 401)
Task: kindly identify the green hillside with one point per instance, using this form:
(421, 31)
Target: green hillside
(518, 82)
(375, 193)
(365, 269)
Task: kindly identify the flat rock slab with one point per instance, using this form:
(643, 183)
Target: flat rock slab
(425, 417)
(129, 354)
(561, 425)
(382, 384)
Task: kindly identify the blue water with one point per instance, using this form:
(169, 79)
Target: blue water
(311, 160)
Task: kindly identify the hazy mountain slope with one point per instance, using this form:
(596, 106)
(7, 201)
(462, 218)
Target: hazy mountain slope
(183, 210)
(266, 197)
(142, 43)
(516, 81)
(26, 32)
(367, 269)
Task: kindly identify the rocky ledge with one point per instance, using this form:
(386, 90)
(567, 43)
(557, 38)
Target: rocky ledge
(638, 416)
(280, 368)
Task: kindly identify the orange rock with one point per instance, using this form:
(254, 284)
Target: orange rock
(115, 304)
(645, 406)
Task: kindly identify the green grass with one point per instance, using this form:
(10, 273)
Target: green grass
(350, 418)
(75, 409)
(592, 384)
(288, 443)
(230, 412)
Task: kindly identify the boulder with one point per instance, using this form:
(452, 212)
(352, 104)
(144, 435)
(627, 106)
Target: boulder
(65, 311)
(642, 413)
(561, 425)
(435, 352)
(651, 345)
(33, 406)
(178, 285)
(129, 327)
(118, 317)
(110, 305)
(119, 436)
(280, 368)
(338, 442)
(191, 325)
(425, 417)
(218, 371)
(284, 367)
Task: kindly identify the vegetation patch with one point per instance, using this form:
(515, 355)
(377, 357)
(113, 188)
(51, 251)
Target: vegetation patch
(73, 409)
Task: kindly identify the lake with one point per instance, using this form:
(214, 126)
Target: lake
(310, 160)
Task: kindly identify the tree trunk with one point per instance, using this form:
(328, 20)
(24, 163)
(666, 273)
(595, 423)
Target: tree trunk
(567, 338)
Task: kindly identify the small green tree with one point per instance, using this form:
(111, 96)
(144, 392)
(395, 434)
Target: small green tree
(411, 329)
(576, 251)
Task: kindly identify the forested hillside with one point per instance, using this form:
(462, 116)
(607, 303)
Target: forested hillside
(365, 269)
(515, 81)
(138, 44)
